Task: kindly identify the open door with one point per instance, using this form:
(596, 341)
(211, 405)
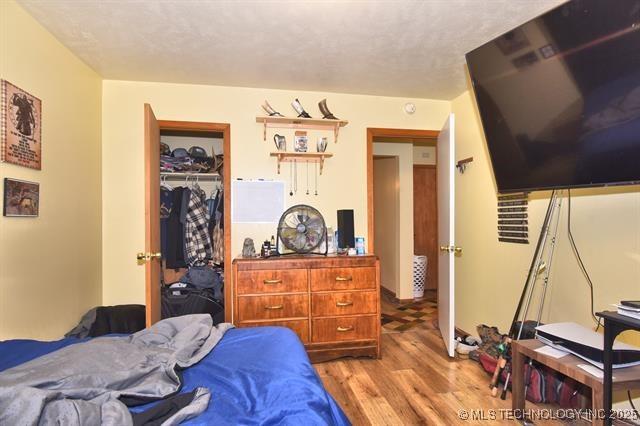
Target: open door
(446, 233)
(151, 258)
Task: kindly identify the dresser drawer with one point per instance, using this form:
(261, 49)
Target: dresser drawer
(272, 307)
(300, 327)
(343, 279)
(339, 329)
(344, 303)
(277, 281)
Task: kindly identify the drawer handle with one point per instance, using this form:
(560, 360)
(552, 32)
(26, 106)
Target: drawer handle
(344, 278)
(343, 329)
(343, 304)
(272, 281)
(274, 307)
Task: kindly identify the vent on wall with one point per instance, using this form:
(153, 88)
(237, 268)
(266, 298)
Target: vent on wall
(513, 218)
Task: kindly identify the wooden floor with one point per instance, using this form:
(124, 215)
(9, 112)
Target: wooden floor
(414, 383)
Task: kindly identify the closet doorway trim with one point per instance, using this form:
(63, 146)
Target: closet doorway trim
(225, 129)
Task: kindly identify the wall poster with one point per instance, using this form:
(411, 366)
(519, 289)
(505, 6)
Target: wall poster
(21, 198)
(21, 127)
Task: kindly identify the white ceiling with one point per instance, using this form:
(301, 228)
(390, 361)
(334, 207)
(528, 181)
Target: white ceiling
(393, 48)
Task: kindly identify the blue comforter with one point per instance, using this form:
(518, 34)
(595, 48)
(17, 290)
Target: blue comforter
(257, 376)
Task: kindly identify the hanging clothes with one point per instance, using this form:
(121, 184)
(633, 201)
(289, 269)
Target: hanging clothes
(218, 244)
(216, 229)
(198, 249)
(166, 203)
(174, 251)
(212, 203)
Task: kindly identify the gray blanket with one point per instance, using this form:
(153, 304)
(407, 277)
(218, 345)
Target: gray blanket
(80, 384)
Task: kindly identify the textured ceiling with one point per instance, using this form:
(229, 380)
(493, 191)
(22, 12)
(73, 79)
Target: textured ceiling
(394, 48)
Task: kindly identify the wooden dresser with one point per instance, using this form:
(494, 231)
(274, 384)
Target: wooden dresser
(332, 302)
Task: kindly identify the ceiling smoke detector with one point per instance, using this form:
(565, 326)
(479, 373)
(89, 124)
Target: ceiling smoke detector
(409, 108)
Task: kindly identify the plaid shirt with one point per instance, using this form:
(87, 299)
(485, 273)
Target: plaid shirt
(197, 244)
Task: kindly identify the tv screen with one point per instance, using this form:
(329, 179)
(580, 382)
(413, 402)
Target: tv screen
(559, 97)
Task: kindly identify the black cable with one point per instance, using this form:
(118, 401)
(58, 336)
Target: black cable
(632, 405)
(579, 258)
(590, 283)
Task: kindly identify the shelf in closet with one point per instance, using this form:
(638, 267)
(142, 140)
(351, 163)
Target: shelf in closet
(301, 123)
(302, 157)
(189, 175)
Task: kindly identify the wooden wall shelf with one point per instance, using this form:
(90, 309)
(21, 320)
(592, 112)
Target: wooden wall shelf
(315, 157)
(301, 123)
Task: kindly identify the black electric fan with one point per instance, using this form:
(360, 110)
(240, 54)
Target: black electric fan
(302, 230)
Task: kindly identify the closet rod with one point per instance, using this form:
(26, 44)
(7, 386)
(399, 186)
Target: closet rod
(199, 176)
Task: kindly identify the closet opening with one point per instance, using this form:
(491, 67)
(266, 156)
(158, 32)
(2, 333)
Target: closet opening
(188, 238)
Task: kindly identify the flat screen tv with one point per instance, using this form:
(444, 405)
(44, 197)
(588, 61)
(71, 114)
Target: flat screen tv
(559, 97)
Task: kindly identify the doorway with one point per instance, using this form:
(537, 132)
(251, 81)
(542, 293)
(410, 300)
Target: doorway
(402, 207)
(152, 259)
(386, 196)
(443, 263)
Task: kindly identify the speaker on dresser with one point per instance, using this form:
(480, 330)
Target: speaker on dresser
(346, 235)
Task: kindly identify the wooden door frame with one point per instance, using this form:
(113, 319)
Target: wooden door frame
(373, 132)
(225, 129)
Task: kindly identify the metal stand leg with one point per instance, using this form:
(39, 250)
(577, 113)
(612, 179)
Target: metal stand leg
(537, 266)
(611, 331)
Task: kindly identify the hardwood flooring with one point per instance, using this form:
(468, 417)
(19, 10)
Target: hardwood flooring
(414, 383)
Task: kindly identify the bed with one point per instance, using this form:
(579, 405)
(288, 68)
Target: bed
(257, 376)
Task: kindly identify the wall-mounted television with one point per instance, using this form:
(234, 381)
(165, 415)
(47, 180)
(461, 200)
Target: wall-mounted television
(559, 97)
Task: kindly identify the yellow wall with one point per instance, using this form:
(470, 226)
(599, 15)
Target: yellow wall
(386, 199)
(342, 186)
(50, 266)
(404, 153)
(490, 275)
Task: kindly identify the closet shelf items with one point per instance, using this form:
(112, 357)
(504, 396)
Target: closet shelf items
(301, 123)
(189, 175)
(314, 157)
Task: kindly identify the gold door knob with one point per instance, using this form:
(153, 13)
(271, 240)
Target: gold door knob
(142, 258)
(452, 249)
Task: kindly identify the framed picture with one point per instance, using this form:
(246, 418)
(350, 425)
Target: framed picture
(525, 60)
(21, 127)
(21, 198)
(548, 51)
(300, 142)
(512, 41)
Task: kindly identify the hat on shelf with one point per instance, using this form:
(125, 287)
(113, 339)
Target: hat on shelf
(164, 149)
(197, 152)
(179, 153)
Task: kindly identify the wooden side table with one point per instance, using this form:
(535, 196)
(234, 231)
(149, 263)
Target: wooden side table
(614, 324)
(626, 378)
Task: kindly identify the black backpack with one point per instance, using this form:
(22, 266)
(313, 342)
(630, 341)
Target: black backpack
(190, 300)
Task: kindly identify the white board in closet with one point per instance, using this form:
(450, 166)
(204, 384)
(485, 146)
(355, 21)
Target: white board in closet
(257, 201)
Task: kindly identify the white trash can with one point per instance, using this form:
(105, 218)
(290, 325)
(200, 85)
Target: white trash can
(419, 275)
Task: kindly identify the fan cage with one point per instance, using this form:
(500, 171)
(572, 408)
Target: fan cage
(321, 248)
